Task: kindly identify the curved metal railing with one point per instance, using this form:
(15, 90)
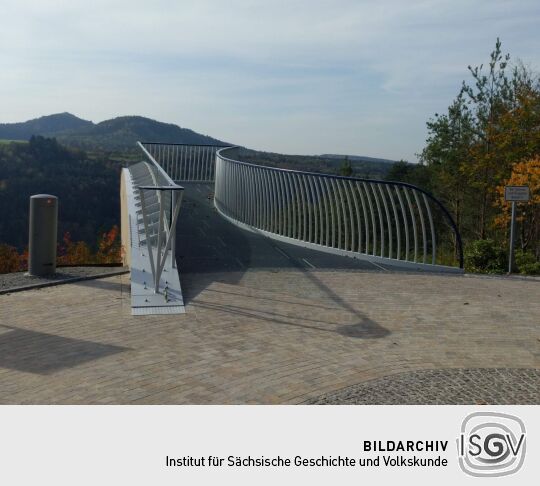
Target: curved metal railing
(392, 222)
(184, 162)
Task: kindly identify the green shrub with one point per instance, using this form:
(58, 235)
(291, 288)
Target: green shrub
(530, 269)
(485, 256)
(526, 263)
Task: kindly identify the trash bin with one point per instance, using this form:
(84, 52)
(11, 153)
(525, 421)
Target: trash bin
(42, 234)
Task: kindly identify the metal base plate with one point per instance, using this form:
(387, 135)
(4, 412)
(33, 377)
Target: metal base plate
(142, 288)
(148, 311)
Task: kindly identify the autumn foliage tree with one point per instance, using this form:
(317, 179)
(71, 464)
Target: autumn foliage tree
(108, 251)
(109, 247)
(79, 253)
(73, 253)
(489, 137)
(10, 260)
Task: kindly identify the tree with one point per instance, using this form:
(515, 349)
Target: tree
(518, 137)
(446, 153)
(490, 97)
(526, 173)
(346, 168)
(415, 174)
(493, 123)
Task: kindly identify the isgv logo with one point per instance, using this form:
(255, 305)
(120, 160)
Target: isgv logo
(491, 444)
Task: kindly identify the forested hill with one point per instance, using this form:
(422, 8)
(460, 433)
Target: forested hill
(117, 134)
(87, 187)
(87, 184)
(45, 125)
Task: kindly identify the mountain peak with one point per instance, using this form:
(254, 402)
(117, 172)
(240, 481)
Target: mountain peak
(44, 125)
(119, 133)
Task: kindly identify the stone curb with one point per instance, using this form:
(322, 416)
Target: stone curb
(61, 282)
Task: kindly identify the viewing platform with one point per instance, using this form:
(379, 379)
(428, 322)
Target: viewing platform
(273, 335)
(274, 310)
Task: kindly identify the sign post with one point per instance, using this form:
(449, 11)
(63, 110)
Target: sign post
(514, 194)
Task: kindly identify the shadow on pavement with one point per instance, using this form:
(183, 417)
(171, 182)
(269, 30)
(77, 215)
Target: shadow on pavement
(210, 247)
(44, 354)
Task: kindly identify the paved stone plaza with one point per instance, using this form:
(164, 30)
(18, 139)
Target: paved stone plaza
(264, 336)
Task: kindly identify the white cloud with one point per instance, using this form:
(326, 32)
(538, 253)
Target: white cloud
(299, 76)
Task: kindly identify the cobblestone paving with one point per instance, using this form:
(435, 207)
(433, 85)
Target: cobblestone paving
(276, 336)
(19, 279)
(494, 386)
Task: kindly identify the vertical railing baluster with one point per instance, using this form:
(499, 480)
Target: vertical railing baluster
(351, 225)
(249, 194)
(319, 228)
(397, 190)
(267, 200)
(298, 207)
(330, 198)
(388, 222)
(432, 228)
(304, 207)
(260, 204)
(353, 191)
(369, 193)
(309, 207)
(413, 222)
(336, 242)
(396, 223)
(289, 201)
(380, 219)
(360, 189)
(211, 174)
(279, 197)
(183, 174)
(422, 225)
(271, 201)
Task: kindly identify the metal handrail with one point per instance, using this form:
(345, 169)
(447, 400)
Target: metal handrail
(279, 184)
(167, 216)
(156, 164)
(188, 144)
(184, 162)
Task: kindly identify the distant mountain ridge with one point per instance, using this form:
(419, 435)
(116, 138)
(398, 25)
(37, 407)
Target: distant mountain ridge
(358, 158)
(365, 167)
(57, 123)
(119, 133)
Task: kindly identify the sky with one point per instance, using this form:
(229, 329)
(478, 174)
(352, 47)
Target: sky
(295, 76)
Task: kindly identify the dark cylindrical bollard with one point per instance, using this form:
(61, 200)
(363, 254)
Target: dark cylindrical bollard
(43, 233)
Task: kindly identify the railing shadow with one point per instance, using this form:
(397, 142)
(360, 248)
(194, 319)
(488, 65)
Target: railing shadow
(211, 249)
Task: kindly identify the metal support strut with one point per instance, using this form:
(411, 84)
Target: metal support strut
(157, 261)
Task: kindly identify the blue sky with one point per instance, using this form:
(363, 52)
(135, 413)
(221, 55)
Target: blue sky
(304, 77)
